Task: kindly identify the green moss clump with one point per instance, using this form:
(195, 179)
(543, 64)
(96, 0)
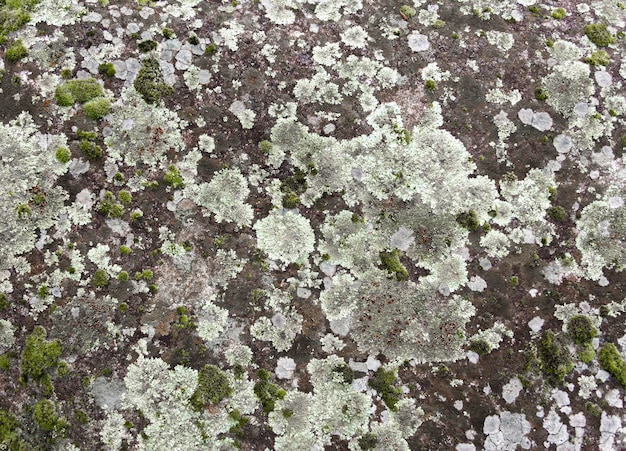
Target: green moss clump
(580, 328)
(173, 178)
(213, 386)
(4, 302)
(382, 382)
(611, 360)
(210, 49)
(122, 276)
(554, 356)
(38, 356)
(368, 441)
(63, 154)
(268, 393)
(468, 220)
(80, 417)
(291, 200)
(390, 261)
(125, 197)
(45, 416)
(167, 33)
(100, 278)
(558, 13)
(407, 11)
(146, 46)
(90, 149)
(150, 83)
(9, 438)
(541, 94)
(88, 135)
(599, 58)
(108, 207)
(430, 85)
(97, 108)
(599, 35)
(124, 250)
(265, 146)
(480, 347)
(15, 52)
(106, 69)
(557, 213)
(82, 90)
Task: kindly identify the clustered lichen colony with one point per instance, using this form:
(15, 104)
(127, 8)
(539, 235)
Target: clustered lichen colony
(260, 224)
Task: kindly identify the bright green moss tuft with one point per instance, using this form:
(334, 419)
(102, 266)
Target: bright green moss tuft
(125, 197)
(558, 13)
(63, 154)
(599, 58)
(97, 108)
(124, 250)
(599, 35)
(173, 178)
(382, 382)
(122, 276)
(80, 90)
(430, 85)
(45, 416)
(291, 200)
(15, 52)
(150, 83)
(265, 146)
(407, 11)
(9, 438)
(611, 360)
(146, 46)
(541, 94)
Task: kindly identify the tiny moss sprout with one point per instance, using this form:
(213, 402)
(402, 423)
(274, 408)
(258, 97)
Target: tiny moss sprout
(122, 276)
(541, 94)
(265, 146)
(291, 200)
(468, 220)
(514, 282)
(150, 83)
(267, 393)
(430, 85)
(167, 33)
(210, 49)
(124, 250)
(193, 39)
(480, 346)
(38, 356)
(554, 356)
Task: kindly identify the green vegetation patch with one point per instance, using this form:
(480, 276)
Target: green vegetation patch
(554, 356)
(106, 69)
(150, 83)
(611, 360)
(599, 35)
(266, 392)
(97, 108)
(38, 356)
(581, 329)
(213, 386)
(468, 220)
(78, 90)
(15, 52)
(173, 178)
(9, 438)
(382, 382)
(390, 261)
(599, 58)
(109, 207)
(14, 14)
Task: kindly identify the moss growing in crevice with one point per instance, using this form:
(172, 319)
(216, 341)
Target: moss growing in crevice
(611, 360)
(390, 261)
(382, 382)
(39, 356)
